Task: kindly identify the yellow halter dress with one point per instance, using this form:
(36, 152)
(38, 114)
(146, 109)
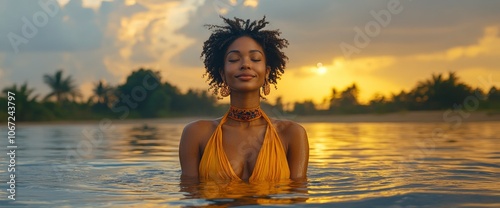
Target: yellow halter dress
(271, 164)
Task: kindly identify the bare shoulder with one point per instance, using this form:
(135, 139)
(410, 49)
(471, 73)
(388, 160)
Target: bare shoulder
(287, 126)
(201, 125)
(196, 135)
(289, 130)
(198, 131)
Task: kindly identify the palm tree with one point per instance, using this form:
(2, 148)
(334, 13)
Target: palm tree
(102, 92)
(349, 97)
(62, 88)
(25, 101)
(440, 92)
(494, 94)
(23, 93)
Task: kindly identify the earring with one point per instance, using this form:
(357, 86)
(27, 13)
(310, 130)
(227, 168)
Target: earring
(224, 90)
(266, 88)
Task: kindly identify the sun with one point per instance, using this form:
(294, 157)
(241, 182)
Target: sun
(321, 69)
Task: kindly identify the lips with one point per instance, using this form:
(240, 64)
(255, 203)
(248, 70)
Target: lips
(244, 76)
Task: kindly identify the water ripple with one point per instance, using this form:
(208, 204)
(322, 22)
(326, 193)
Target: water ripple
(351, 165)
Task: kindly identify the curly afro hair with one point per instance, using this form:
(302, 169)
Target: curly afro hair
(215, 48)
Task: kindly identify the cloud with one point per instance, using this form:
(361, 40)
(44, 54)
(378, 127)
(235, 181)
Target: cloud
(86, 88)
(474, 63)
(2, 60)
(70, 40)
(109, 41)
(251, 3)
(422, 27)
(487, 45)
(316, 29)
(150, 37)
(208, 13)
(68, 28)
(469, 61)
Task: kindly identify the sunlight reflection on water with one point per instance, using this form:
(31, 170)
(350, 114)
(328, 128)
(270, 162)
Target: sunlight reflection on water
(351, 164)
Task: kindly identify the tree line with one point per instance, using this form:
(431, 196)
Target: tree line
(436, 93)
(145, 95)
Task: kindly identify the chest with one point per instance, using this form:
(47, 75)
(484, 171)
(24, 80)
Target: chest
(242, 147)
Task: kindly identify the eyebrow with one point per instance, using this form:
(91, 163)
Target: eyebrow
(237, 51)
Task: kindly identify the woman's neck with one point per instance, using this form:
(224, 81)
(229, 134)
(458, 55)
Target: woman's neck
(245, 100)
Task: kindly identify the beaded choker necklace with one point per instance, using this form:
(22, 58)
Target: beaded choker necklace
(247, 114)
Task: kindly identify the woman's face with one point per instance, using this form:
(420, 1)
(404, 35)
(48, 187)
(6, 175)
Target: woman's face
(245, 65)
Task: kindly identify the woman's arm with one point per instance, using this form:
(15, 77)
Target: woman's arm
(298, 151)
(189, 151)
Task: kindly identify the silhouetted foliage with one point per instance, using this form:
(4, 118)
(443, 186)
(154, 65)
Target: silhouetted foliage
(379, 104)
(493, 98)
(279, 104)
(25, 104)
(437, 93)
(346, 101)
(62, 88)
(304, 108)
(102, 98)
(494, 94)
(143, 95)
(147, 97)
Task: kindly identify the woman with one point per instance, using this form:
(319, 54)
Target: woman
(244, 145)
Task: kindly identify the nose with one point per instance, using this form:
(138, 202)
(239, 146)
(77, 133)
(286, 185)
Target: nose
(245, 64)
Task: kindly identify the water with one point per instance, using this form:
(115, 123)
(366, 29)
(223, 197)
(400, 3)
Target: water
(351, 165)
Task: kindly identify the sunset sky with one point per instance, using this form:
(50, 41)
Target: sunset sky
(383, 46)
